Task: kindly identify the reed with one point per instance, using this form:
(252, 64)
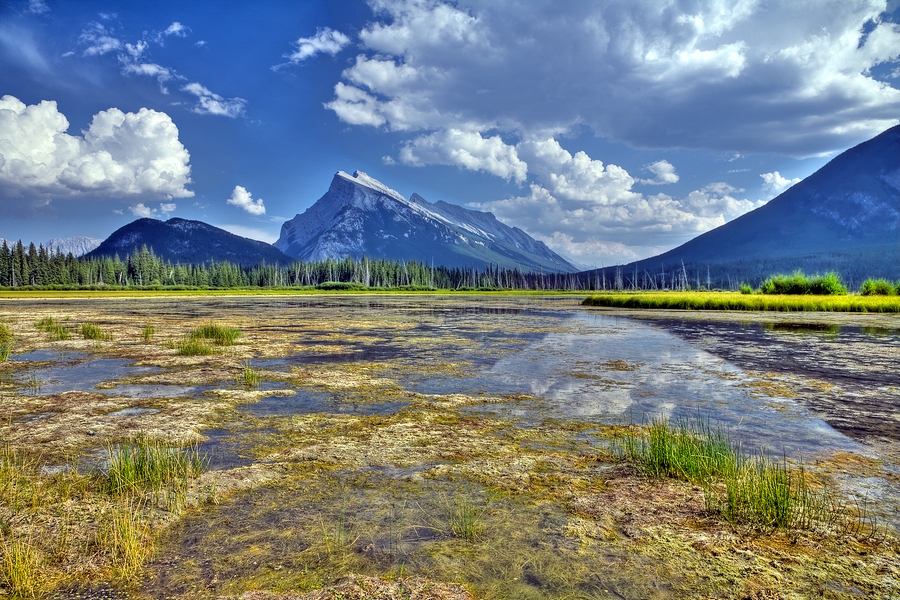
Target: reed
(193, 347)
(249, 376)
(125, 537)
(465, 519)
(56, 329)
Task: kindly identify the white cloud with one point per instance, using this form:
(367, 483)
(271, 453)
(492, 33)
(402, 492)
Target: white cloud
(774, 183)
(590, 212)
(38, 7)
(139, 210)
(98, 40)
(466, 149)
(143, 211)
(746, 77)
(176, 29)
(119, 155)
(167, 207)
(664, 172)
(326, 40)
(241, 198)
(210, 103)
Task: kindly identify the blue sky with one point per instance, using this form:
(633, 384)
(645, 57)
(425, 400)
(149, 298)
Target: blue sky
(611, 130)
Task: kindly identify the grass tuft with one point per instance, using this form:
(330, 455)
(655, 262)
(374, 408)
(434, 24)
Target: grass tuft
(752, 491)
(92, 331)
(193, 347)
(799, 284)
(20, 567)
(465, 519)
(53, 327)
(147, 332)
(220, 335)
(878, 287)
(143, 463)
(126, 539)
(249, 376)
(7, 342)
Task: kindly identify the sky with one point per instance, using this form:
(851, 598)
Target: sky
(611, 130)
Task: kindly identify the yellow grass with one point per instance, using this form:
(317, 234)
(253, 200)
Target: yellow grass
(737, 301)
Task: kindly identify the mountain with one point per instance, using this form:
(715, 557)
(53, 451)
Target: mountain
(77, 245)
(184, 241)
(844, 217)
(360, 216)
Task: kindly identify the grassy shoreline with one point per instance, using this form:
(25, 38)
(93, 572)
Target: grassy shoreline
(744, 302)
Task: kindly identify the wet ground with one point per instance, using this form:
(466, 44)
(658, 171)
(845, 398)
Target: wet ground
(378, 417)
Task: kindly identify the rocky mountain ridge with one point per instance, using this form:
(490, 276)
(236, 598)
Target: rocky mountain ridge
(360, 216)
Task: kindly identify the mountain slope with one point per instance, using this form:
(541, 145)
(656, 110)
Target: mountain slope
(359, 215)
(184, 241)
(77, 245)
(844, 217)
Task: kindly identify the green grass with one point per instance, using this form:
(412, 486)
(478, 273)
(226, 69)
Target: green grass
(145, 464)
(92, 331)
(7, 342)
(738, 301)
(799, 284)
(465, 519)
(220, 335)
(249, 376)
(20, 567)
(748, 490)
(54, 328)
(879, 287)
(192, 347)
(147, 333)
(126, 539)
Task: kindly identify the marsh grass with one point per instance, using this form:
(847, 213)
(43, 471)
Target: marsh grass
(147, 333)
(21, 566)
(58, 330)
(125, 537)
(220, 335)
(193, 347)
(92, 331)
(748, 302)
(799, 284)
(249, 376)
(465, 519)
(146, 464)
(878, 287)
(751, 491)
(7, 342)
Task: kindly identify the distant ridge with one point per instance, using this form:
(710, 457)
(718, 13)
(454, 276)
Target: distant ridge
(360, 216)
(188, 242)
(77, 245)
(844, 217)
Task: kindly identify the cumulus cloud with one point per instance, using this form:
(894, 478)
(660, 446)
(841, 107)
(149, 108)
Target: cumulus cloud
(326, 41)
(210, 103)
(176, 29)
(664, 173)
(590, 210)
(774, 183)
(466, 149)
(753, 77)
(119, 155)
(241, 198)
(142, 211)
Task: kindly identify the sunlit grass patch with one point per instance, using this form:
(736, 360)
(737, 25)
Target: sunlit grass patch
(147, 332)
(56, 329)
(747, 490)
(748, 302)
(125, 537)
(146, 464)
(220, 335)
(92, 331)
(799, 284)
(21, 568)
(879, 287)
(7, 342)
(193, 347)
(249, 376)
